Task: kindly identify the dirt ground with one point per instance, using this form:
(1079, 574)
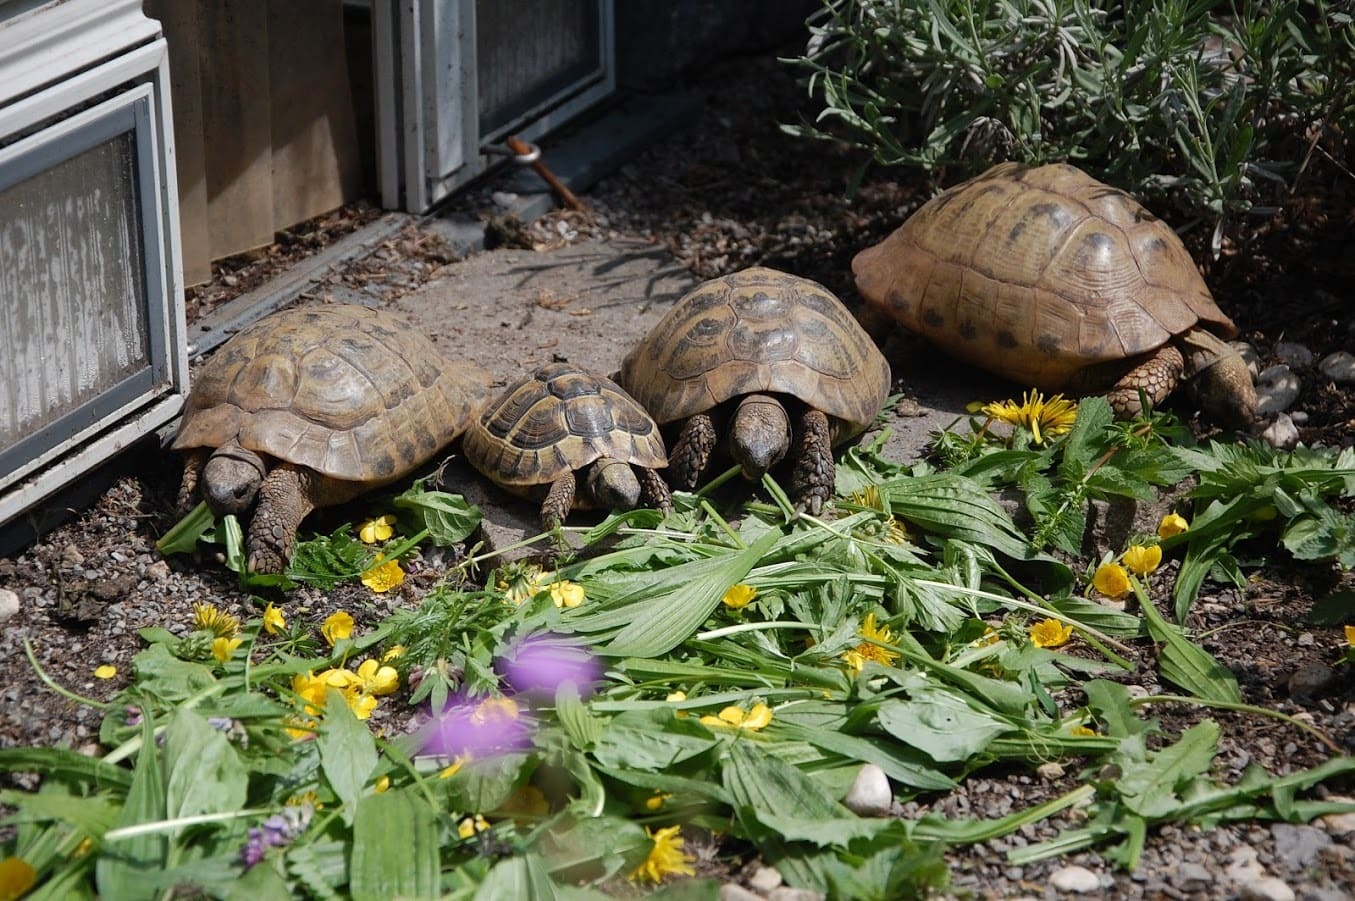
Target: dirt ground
(731, 192)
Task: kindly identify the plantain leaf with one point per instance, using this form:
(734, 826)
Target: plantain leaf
(395, 848)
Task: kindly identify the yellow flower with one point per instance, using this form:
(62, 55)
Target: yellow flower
(303, 798)
(1044, 418)
(868, 497)
(337, 627)
(1350, 638)
(522, 583)
(17, 876)
(737, 717)
(223, 648)
(375, 530)
(383, 784)
(674, 697)
(566, 593)
(455, 766)
(665, 858)
(395, 652)
(988, 637)
(865, 651)
(1050, 633)
(383, 576)
(1172, 524)
(378, 679)
(107, 671)
(1082, 731)
(739, 596)
(498, 707)
(468, 827)
(656, 800)
(362, 705)
(207, 618)
(273, 620)
(1142, 559)
(1111, 580)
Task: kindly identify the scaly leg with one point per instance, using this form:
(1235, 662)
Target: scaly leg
(193, 462)
(285, 498)
(692, 452)
(654, 490)
(559, 501)
(811, 480)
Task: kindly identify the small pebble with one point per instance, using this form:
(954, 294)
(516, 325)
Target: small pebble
(1298, 846)
(9, 604)
(158, 571)
(1339, 367)
(1249, 356)
(1277, 387)
(731, 892)
(505, 199)
(1194, 875)
(71, 556)
(764, 879)
(1267, 888)
(1050, 771)
(1294, 354)
(786, 893)
(1339, 823)
(1281, 434)
(1079, 880)
(870, 794)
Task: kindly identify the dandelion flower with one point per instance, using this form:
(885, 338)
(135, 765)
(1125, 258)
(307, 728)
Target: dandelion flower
(665, 858)
(395, 652)
(207, 618)
(1142, 559)
(738, 718)
(383, 575)
(857, 656)
(273, 620)
(1043, 418)
(1050, 633)
(224, 648)
(1172, 524)
(377, 530)
(566, 594)
(1350, 637)
(739, 596)
(1082, 732)
(1111, 580)
(522, 583)
(108, 670)
(378, 679)
(468, 827)
(868, 497)
(337, 627)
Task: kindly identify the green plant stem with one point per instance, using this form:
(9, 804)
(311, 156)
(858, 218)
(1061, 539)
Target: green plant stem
(1241, 708)
(758, 627)
(61, 689)
(1087, 636)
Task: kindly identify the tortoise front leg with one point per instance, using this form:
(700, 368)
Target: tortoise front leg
(692, 452)
(286, 496)
(559, 501)
(813, 475)
(1157, 375)
(654, 490)
(193, 463)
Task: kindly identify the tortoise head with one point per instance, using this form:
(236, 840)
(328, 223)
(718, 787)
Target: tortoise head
(612, 485)
(1225, 392)
(231, 479)
(759, 434)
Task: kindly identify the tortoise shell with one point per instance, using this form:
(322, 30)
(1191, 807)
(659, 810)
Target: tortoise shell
(1037, 274)
(757, 331)
(350, 392)
(560, 418)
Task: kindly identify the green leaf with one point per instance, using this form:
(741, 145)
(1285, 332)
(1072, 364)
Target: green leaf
(940, 724)
(1152, 789)
(578, 848)
(771, 794)
(896, 762)
(183, 536)
(448, 518)
(1110, 702)
(523, 878)
(1184, 663)
(130, 868)
(65, 764)
(205, 774)
(161, 674)
(395, 848)
(650, 740)
(347, 753)
(955, 507)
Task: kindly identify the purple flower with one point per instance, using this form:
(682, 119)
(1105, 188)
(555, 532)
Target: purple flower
(132, 715)
(539, 665)
(278, 830)
(480, 728)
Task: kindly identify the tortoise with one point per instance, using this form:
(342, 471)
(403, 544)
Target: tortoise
(311, 407)
(777, 360)
(561, 420)
(1048, 277)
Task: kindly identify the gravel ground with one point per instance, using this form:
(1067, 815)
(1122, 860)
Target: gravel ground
(734, 192)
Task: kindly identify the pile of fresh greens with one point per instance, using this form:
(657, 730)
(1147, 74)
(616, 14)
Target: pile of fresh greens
(713, 673)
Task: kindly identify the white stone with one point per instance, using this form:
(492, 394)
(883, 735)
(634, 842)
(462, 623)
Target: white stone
(1294, 354)
(9, 604)
(1281, 434)
(1243, 865)
(1050, 771)
(504, 199)
(1277, 388)
(1339, 823)
(1339, 367)
(1079, 880)
(158, 571)
(786, 893)
(870, 794)
(1249, 356)
(1267, 888)
(731, 892)
(764, 879)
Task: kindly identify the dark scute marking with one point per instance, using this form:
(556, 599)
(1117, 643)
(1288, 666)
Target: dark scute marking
(1100, 241)
(933, 318)
(898, 301)
(589, 417)
(1006, 339)
(1047, 343)
(573, 385)
(383, 461)
(1055, 212)
(1016, 231)
(968, 331)
(814, 328)
(761, 305)
(1157, 245)
(776, 342)
(705, 329)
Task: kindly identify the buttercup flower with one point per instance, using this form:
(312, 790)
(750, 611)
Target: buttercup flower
(337, 627)
(377, 679)
(455, 766)
(1082, 731)
(858, 655)
(107, 671)
(1111, 580)
(1172, 524)
(738, 718)
(739, 596)
(468, 827)
(1142, 559)
(566, 593)
(656, 800)
(1043, 418)
(1350, 637)
(207, 618)
(674, 697)
(382, 785)
(988, 637)
(17, 876)
(362, 706)
(522, 583)
(665, 858)
(383, 575)
(1050, 633)
(376, 530)
(273, 620)
(224, 648)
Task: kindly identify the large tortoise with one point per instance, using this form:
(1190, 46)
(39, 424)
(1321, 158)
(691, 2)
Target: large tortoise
(311, 407)
(1055, 280)
(741, 350)
(564, 419)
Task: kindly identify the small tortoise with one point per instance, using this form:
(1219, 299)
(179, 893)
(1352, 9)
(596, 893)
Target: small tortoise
(563, 419)
(744, 348)
(311, 407)
(1055, 280)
